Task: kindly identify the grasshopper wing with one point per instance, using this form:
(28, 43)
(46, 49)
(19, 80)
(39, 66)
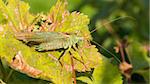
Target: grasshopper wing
(39, 37)
(53, 45)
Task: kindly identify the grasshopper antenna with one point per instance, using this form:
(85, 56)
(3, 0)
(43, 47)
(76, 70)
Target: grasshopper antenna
(106, 51)
(113, 21)
(104, 25)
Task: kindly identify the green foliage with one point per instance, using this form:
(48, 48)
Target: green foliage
(127, 30)
(139, 58)
(104, 75)
(109, 75)
(137, 51)
(40, 6)
(15, 17)
(89, 10)
(14, 77)
(43, 65)
(2, 18)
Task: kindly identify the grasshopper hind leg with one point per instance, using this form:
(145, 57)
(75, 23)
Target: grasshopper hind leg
(62, 54)
(45, 47)
(75, 48)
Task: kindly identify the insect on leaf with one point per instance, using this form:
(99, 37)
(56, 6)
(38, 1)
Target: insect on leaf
(57, 24)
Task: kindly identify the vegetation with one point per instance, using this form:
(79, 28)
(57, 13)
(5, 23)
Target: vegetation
(48, 41)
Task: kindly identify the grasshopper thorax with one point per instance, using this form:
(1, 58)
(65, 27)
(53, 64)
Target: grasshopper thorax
(72, 40)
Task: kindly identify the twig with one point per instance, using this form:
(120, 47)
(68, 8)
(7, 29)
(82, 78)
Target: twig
(121, 51)
(73, 69)
(9, 75)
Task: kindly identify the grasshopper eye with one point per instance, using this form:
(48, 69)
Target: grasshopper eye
(49, 23)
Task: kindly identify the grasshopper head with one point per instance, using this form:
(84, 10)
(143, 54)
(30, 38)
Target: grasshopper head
(75, 39)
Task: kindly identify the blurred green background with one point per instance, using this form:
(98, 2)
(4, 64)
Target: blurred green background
(132, 33)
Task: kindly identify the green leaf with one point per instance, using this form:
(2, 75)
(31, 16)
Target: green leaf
(3, 20)
(14, 77)
(106, 73)
(89, 10)
(40, 61)
(73, 4)
(57, 11)
(37, 6)
(138, 56)
(18, 14)
(139, 59)
(85, 80)
(144, 73)
(45, 65)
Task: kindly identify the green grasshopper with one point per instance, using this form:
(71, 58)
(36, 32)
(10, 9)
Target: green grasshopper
(49, 40)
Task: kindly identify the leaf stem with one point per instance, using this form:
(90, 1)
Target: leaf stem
(122, 54)
(2, 69)
(121, 51)
(73, 69)
(9, 75)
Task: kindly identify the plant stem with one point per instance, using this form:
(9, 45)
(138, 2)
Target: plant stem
(2, 69)
(73, 70)
(9, 75)
(121, 51)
